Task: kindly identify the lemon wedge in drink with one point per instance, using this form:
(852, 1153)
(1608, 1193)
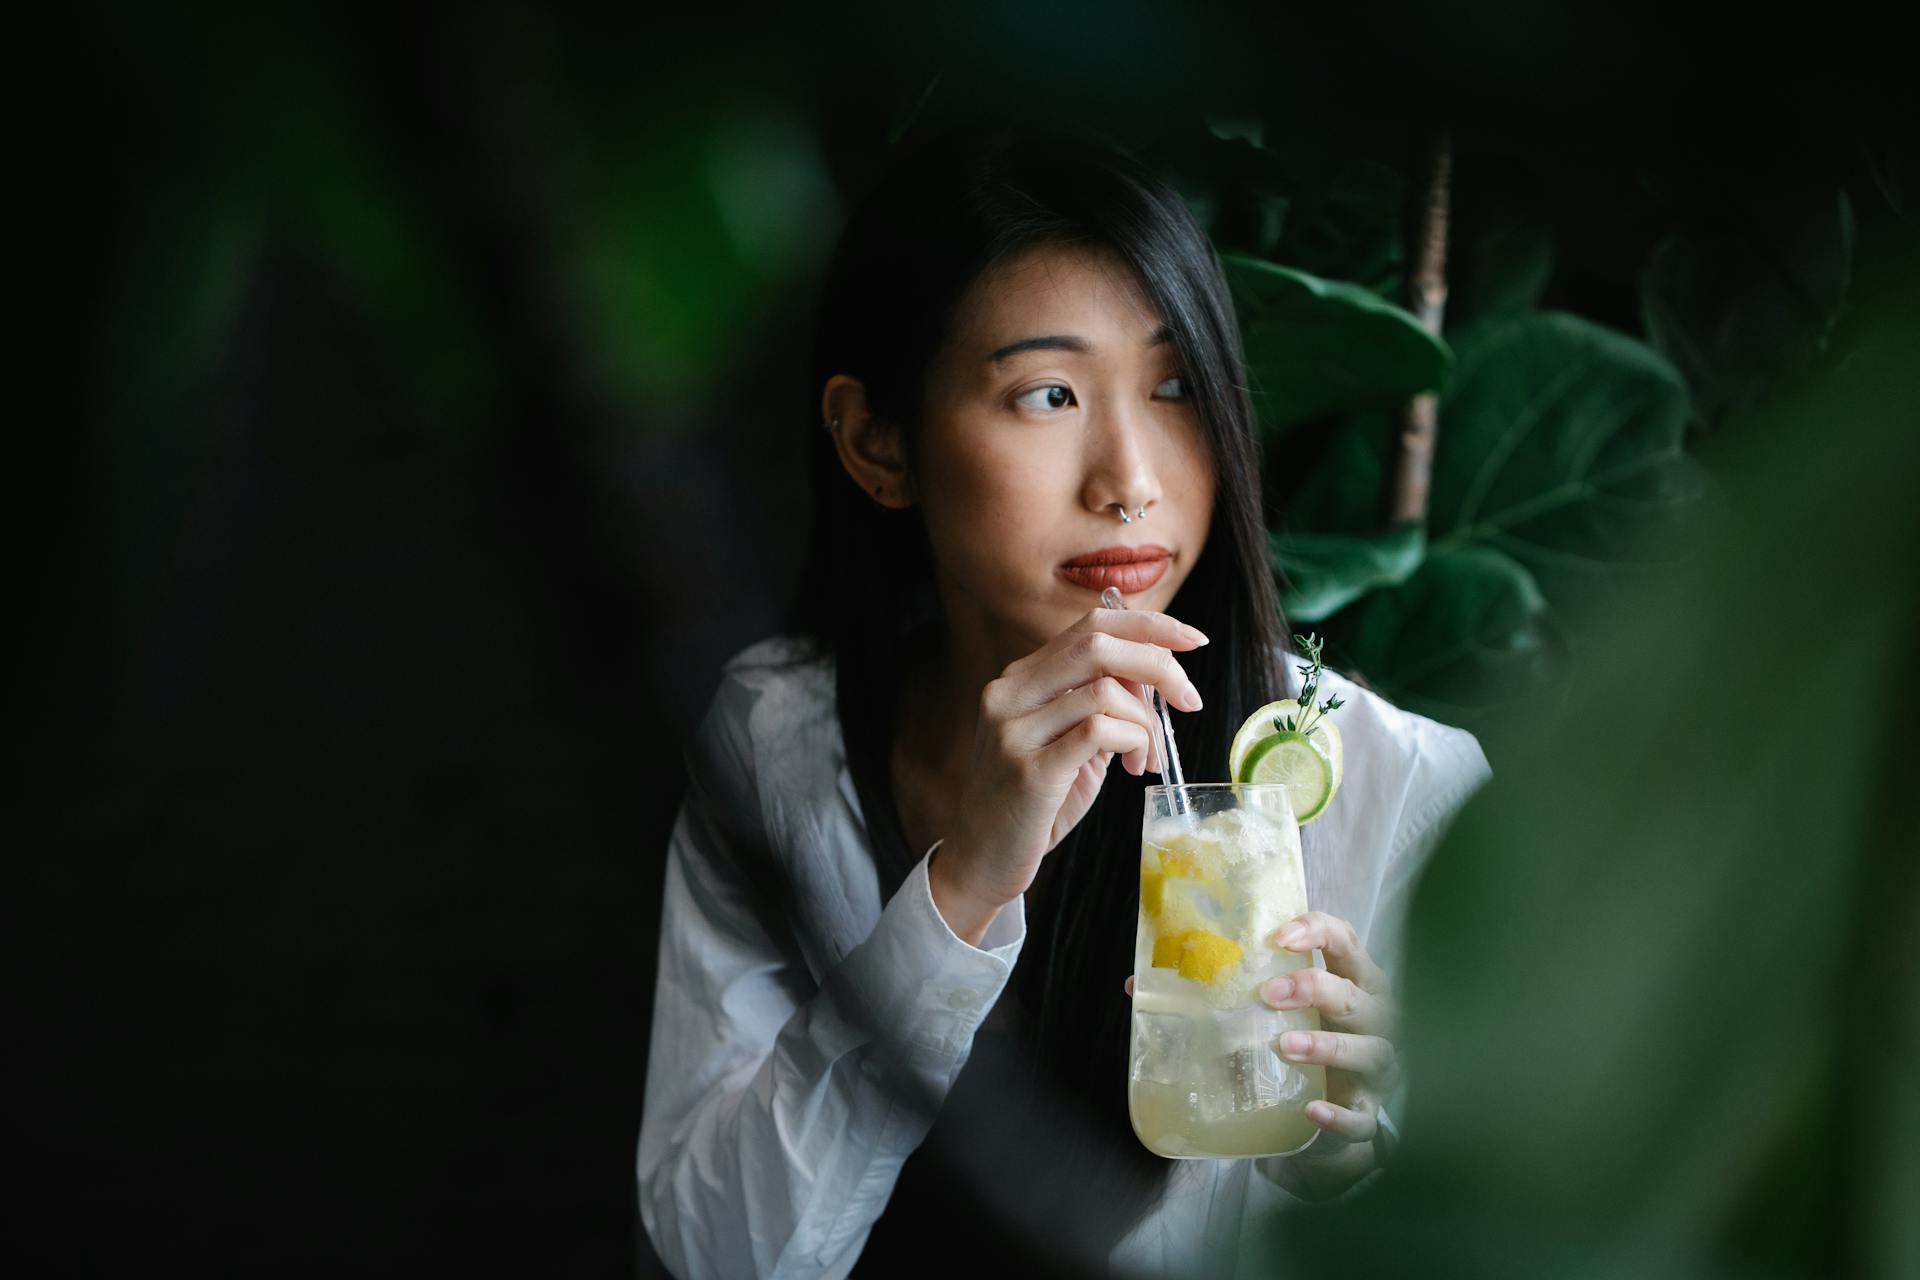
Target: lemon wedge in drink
(1199, 954)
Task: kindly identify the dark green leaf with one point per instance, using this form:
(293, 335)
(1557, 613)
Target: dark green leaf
(1347, 220)
(1321, 573)
(1500, 246)
(1736, 308)
(1318, 346)
(1330, 476)
(1238, 192)
(1292, 191)
(1560, 445)
(1470, 629)
(1223, 124)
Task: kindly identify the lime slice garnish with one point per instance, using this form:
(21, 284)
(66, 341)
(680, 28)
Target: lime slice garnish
(1293, 759)
(1259, 727)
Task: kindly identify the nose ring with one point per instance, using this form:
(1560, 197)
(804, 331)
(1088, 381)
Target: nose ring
(1139, 513)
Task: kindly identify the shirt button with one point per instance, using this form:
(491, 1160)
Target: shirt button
(964, 998)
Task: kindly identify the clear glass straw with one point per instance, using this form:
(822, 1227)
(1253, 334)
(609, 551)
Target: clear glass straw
(1169, 754)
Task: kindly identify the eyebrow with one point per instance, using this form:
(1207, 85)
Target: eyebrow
(1067, 342)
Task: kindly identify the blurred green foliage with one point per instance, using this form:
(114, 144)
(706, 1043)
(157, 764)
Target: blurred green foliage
(660, 225)
(679, 233)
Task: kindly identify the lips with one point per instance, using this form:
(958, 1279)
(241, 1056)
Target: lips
(1127, 569)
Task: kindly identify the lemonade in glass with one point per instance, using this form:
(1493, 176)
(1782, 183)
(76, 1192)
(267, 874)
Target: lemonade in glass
(1220, 871)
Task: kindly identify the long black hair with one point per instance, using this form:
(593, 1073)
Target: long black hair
(944, 212)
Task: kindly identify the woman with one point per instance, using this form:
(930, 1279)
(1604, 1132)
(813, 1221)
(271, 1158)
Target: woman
(1026, 355)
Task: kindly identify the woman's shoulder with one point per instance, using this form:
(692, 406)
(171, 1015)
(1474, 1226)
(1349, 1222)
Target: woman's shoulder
(794, 666)
(796, 655)
(765, 691)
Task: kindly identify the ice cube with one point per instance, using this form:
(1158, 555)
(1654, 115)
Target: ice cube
(1195, 904)
(1260, 1078)
(1162, 1048)
(1254, 1075)
(1251, 1079)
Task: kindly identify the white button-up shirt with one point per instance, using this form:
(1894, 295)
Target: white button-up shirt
(771, 1135)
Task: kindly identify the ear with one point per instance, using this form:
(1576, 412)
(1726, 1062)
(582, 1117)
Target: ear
(870, 449)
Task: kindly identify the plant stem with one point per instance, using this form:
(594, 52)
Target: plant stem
(1410, 459)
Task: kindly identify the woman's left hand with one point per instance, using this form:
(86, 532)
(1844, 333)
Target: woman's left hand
(1353, 995)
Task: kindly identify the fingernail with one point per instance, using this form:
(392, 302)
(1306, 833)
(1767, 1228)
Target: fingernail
(1295, 1044)
(1196, 635)
(1319, 1111)
(1291, 935)
(1277, 990)
(1193, 696)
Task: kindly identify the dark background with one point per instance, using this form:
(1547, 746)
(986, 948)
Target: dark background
(399, 453)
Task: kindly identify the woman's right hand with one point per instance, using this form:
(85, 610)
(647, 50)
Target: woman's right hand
(1048, 725)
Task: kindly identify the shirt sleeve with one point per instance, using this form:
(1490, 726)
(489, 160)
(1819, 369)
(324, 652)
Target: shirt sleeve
(778, 1112)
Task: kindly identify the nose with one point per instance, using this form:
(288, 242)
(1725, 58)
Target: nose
(1122, 444)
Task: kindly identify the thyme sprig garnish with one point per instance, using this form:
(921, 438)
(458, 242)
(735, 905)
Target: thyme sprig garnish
(1310, 685)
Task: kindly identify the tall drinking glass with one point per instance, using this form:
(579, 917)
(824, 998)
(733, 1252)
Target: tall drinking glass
(1220, 871)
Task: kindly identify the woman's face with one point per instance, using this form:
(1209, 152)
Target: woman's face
(1028, 455)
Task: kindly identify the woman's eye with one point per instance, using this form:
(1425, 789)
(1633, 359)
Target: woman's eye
(1051, 387)
(1058, 396)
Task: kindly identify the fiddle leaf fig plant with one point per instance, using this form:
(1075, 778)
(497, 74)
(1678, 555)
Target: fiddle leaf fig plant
(1559, 470)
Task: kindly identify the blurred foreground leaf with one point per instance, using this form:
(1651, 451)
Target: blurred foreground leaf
(1662, 1003)
(680, 237)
